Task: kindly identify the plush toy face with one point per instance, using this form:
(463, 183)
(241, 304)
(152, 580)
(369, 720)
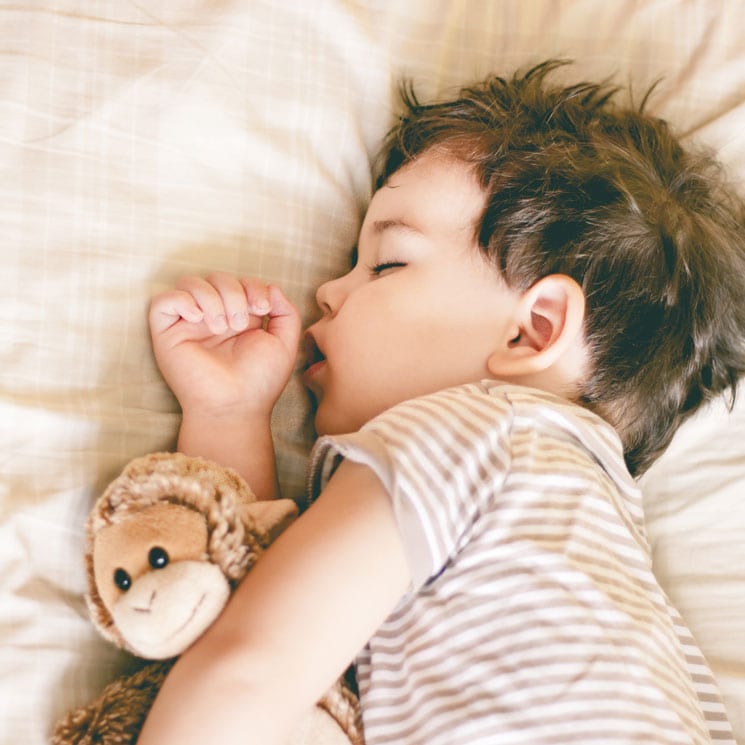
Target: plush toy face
(154, 576)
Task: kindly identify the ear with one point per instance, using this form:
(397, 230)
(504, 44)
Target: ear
(548, 325)
(273, 515)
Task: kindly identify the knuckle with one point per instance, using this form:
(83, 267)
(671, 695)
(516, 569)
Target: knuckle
(215, 277)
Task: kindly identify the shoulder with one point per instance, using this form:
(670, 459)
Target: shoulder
(539, 411)
(426, 438)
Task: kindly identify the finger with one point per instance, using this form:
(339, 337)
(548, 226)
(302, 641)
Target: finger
(235, 303)
(284, 319)
(209, 301)
(257, 295)
(170, 307)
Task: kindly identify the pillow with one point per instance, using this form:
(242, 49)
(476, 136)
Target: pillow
(696, 526)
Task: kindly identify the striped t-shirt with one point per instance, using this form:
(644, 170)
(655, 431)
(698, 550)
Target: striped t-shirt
(533, 615)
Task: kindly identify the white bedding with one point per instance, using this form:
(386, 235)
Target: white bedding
(142, 141)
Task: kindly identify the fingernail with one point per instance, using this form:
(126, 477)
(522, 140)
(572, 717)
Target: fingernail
(239, 320)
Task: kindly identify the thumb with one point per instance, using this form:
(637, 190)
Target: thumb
(283, 319)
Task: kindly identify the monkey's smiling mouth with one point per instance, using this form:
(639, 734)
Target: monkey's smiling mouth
(193, 613)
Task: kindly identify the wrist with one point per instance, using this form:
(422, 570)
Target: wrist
(239, 417)
(239, 440)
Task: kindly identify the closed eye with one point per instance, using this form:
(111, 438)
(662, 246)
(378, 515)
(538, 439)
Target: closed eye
(378, 269)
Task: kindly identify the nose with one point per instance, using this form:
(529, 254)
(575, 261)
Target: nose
(149, 607)
(330, 295)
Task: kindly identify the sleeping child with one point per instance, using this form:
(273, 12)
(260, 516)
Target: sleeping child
(546, 284)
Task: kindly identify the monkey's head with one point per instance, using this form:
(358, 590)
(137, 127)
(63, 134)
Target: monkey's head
(165, 545)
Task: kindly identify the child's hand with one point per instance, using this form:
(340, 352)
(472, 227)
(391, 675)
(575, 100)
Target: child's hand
(225, 345)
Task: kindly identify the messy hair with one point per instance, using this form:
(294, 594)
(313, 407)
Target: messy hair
(578, 185)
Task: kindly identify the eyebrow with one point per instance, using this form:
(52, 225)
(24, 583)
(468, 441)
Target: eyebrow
(380, 226)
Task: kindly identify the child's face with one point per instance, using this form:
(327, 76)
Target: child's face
(420, 311)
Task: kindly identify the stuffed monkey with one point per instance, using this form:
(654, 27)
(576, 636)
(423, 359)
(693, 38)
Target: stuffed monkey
(166, 543)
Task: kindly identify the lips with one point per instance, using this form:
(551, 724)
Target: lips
(314, 357)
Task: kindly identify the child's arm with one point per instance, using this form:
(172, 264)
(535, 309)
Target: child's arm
(227, 347)
(294, 624)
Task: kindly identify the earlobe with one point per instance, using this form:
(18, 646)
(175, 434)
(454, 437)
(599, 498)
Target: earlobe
(549, 321)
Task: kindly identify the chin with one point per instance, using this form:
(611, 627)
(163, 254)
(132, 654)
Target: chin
(319, 422)
(324, 427)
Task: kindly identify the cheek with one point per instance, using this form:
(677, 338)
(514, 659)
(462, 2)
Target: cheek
(360, 334)
(346, 401)
(351, 390)
(383, 350)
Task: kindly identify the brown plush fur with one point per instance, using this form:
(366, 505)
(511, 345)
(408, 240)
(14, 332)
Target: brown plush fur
(117, 715)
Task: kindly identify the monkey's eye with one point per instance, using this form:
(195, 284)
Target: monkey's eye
(122, 580)
(158, 558)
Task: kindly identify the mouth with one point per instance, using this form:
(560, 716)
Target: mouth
(190, 618)
(314, 357)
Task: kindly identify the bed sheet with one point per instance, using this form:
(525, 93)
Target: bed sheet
(142, 141)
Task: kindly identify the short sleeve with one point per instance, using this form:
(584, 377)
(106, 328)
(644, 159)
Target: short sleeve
(442, 459)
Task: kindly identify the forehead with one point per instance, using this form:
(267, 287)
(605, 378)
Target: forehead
(433, 193)
(171, 526)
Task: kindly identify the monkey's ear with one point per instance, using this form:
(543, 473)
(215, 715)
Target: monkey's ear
(273, 515)
(548, 326)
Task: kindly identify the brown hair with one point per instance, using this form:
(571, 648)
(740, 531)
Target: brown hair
(577, 185)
